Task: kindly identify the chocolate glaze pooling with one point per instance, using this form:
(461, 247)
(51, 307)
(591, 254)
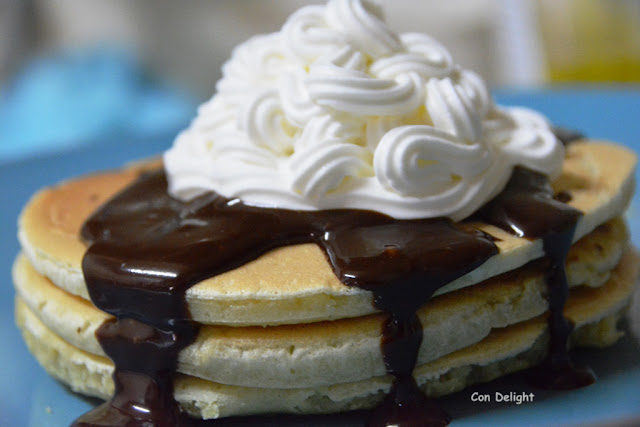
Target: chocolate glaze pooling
(146, 249)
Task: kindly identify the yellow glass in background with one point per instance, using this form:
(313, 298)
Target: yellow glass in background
(591, 40)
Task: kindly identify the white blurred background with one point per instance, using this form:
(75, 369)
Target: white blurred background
(509, 42)
(73, 71)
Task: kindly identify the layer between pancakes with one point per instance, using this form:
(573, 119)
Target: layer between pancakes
(595, 312)
(347, 350)
(296, 284)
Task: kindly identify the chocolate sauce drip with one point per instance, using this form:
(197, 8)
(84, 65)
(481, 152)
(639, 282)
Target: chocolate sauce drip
(145, 358)
(558, 372)
(527, 208)
(401, 281)
(146, 249)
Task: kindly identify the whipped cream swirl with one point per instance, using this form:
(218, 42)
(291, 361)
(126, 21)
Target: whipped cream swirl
(337, 111)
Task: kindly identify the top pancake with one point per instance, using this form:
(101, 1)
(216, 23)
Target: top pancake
(296, 284)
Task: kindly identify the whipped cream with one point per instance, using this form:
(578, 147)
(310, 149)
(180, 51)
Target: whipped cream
(337, 111)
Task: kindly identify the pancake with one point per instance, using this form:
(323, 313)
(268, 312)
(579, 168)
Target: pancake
(323, 353)
(281, 333)
(268, 291)
(595, 312)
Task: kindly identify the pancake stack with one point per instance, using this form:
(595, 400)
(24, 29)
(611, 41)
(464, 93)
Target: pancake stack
(282, 334)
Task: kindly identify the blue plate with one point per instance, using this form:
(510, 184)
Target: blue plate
(29, 397)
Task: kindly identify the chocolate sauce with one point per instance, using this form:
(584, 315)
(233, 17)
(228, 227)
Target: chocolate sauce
(145, 358)
(527, 208)
(146, 249)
